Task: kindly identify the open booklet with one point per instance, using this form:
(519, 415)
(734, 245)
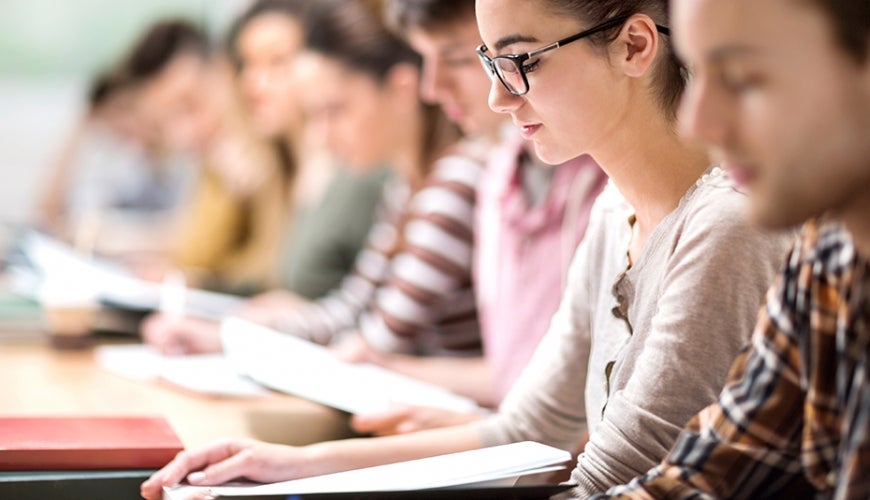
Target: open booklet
(497, 465)
(295, 366)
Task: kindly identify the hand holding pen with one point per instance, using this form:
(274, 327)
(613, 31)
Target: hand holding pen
(171, 331)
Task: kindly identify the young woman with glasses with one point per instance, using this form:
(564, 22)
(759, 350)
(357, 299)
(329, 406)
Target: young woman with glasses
(663, 290)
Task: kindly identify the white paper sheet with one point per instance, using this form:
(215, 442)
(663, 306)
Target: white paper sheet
(296, 366)
(60, 269)
(208, 374)
(494, 465)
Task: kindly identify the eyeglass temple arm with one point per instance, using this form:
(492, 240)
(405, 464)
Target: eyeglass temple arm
(555, 45)
(606, 25)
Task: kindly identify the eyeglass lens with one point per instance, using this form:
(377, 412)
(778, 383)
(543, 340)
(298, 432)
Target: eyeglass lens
(510, 74)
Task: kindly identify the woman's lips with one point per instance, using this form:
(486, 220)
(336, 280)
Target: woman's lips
(740, 174)
(527, 131)
(454, 113)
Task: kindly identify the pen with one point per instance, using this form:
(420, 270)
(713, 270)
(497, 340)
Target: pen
(173, 293)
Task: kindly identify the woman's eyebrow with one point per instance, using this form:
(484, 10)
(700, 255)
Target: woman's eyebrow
(512, 39)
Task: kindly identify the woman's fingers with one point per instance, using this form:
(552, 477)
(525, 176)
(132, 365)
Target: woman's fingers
(380, 424)
(241, 464)
(187, 463)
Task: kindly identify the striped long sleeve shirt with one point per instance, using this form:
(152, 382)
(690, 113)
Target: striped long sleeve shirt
(411, 289)
(793, 421)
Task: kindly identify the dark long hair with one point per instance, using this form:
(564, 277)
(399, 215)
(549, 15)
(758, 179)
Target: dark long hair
(105, 85)
(162, 43)
(851, 23)
(353, 32)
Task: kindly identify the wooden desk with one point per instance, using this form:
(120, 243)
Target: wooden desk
(38, 380)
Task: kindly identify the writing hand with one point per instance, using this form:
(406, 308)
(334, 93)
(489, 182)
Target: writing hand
(355, 349)
(176, 336)
(268, 307)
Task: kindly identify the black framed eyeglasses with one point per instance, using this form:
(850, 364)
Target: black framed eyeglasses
(511, 69)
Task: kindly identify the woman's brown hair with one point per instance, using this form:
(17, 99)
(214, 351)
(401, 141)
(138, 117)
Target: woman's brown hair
(353, 32)
(161, 44)
(851, 23)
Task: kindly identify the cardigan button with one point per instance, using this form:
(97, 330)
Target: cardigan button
(831, 478)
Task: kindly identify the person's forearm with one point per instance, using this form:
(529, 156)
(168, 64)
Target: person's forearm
(471, 377)
(52, 204)
(336, 456)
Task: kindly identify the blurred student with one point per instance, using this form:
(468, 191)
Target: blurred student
(114, 187)
(229, 236)
(530, 218)
(330, 210)
(410, 290)
(781, 92)
(663, 290)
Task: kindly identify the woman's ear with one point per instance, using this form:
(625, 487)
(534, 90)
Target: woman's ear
(404, 79)
(637, 45)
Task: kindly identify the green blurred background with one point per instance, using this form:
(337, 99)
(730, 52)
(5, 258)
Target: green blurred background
(49, 49)
(62, 37)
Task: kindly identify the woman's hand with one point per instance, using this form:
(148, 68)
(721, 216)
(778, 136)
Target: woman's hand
(227, 460)
(406, 419)
(266, 307)
(177, 336)
(354, 349)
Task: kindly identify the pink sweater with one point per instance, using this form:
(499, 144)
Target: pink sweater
(522, 254)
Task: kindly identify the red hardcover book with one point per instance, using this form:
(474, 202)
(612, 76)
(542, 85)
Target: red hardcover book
(86, 443)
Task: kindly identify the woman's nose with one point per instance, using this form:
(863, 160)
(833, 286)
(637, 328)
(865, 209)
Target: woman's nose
(500, 99)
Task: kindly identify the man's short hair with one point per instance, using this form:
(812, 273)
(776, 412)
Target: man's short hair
(428, 15)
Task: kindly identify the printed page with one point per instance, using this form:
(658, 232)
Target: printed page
(302, 368)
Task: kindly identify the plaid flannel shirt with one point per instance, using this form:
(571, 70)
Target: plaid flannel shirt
(794, 418)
